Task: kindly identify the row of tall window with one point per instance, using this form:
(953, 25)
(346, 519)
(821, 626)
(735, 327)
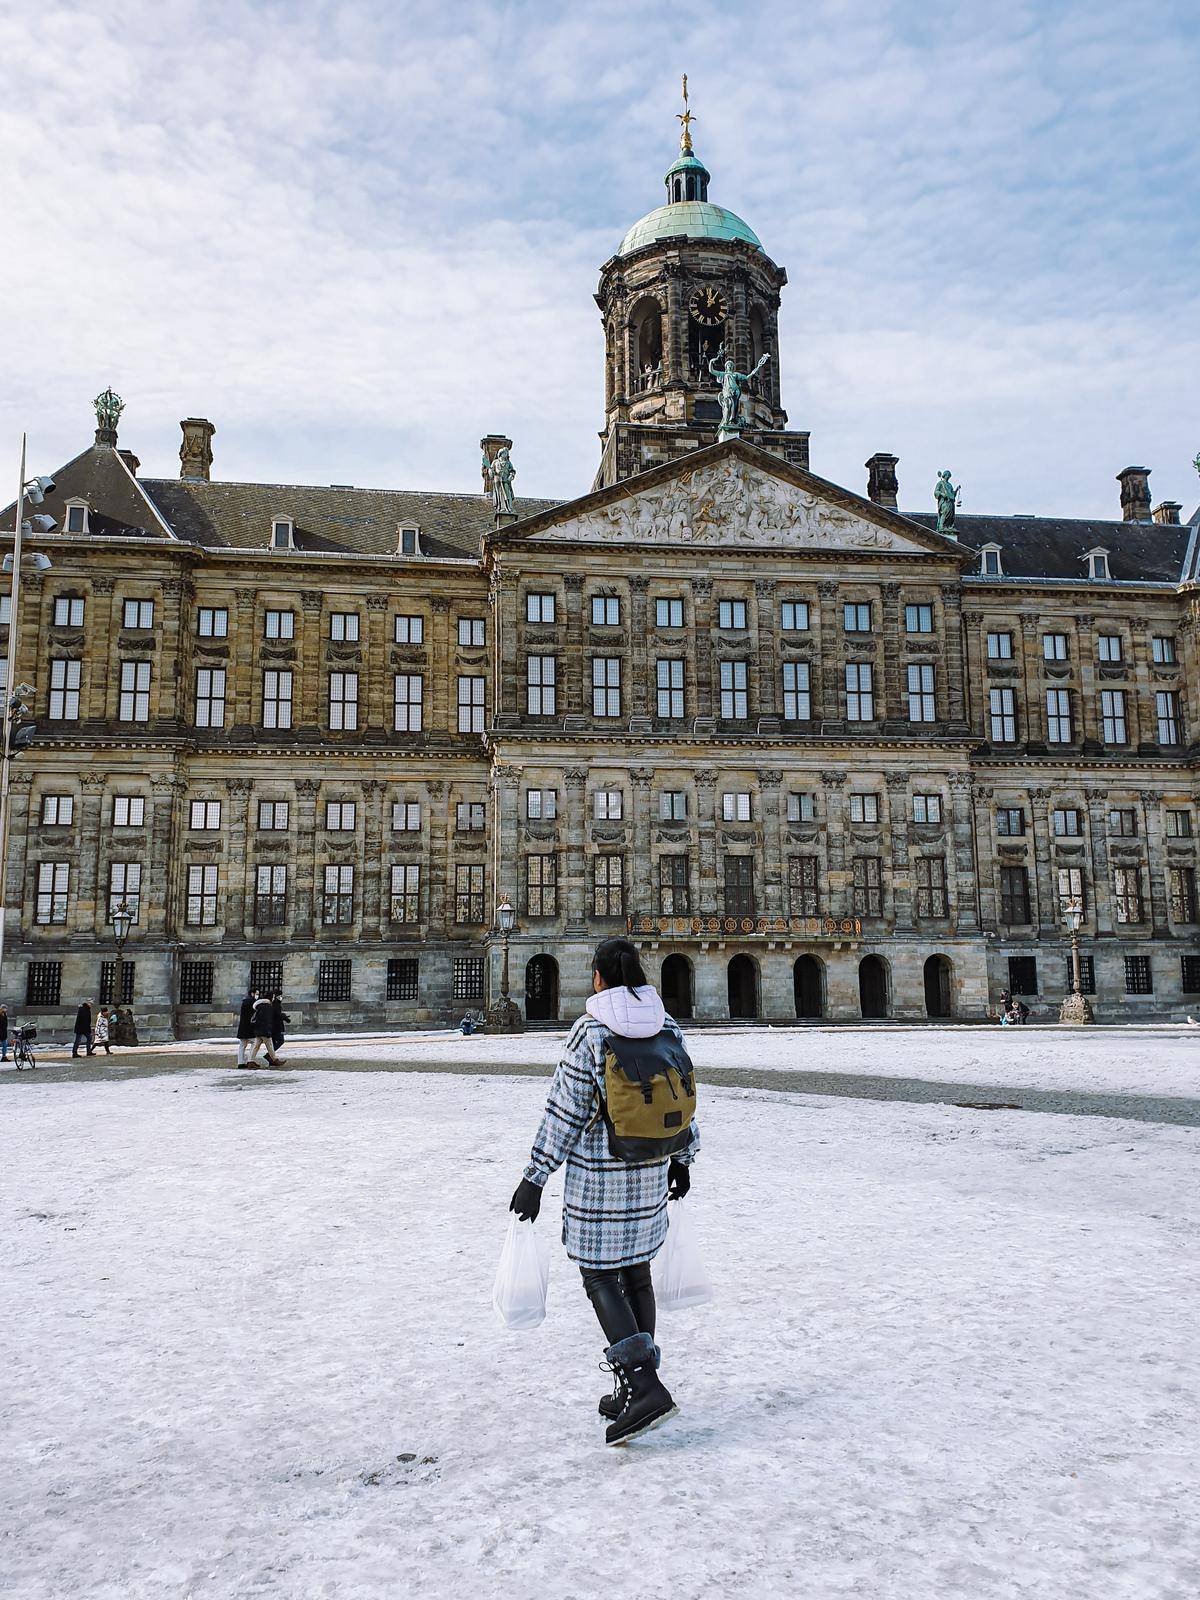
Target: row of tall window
(1061, 722)
(1128, 894)
(1110, 648)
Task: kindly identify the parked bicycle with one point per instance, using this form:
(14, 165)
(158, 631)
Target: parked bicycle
(23, 1038)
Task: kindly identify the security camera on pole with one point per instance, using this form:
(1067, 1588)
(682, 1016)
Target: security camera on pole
(18, 731)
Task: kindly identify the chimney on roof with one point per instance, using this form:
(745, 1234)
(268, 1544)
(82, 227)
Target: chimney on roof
(882, 483)
(132, 462)
(1135, 493)
(1168, 511)
(195, 453)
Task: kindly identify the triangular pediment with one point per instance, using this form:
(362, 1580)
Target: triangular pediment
(732, 496)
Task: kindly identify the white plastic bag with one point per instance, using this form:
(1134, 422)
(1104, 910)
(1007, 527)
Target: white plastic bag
(678, 1272)
(519, 1294)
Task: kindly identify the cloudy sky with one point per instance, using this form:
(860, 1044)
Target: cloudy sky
(358, 236)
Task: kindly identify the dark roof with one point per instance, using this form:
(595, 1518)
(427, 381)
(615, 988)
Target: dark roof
(354, 521)
(117, 505)
(1053, 547)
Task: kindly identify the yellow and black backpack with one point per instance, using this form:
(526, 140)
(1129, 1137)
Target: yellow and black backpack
(649, 1096)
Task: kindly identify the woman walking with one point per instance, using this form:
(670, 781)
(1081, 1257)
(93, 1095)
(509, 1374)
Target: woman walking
(102, 1028)
(614, 1206)
(279, 1020)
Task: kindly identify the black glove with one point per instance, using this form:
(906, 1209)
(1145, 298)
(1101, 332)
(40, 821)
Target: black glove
(679, 1180)
(527, 1201)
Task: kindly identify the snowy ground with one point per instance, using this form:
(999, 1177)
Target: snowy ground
(251, 1352)
(1163, 1059)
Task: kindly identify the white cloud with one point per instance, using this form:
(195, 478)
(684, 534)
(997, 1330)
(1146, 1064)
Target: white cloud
(358, 236)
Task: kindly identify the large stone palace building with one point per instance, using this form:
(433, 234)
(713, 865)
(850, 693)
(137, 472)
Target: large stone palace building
(819, 757)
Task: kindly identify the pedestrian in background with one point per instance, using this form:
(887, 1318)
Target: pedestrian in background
(260, 1022)
(83, 1029)
(102, 1028)
(3, 1033)
(279, 1019)
(245, 1027)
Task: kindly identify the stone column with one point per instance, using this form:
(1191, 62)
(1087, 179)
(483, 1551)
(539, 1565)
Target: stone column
(975, 683)
(829, 689)
(1086, 708)
(840, 877)
(1031, 726)
(1101, 886)
(772, 837)
(506, 868)
(706, 832)
(962, 885)
(768, 655)
(640, 889)
(953, 694)
(241, 709)
(19, 786)
(102, 671)
(239, 890)
(577, 697)
(89, 893)
(1046, 887)
(574, 884)
(640, 692)
(704, 635)
(903, 887)
(891, 689)
(510, 687)
(158, 892)
(989, 909)
(309, 686)
(375, 891)
(441, 875)
(304, 898)
(379, 716)
(173, 653)
(1156, 863)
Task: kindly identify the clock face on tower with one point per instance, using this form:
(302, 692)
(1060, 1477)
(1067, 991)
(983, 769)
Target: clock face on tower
(708, 307)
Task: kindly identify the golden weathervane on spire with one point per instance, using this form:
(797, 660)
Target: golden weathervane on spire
(686, 118)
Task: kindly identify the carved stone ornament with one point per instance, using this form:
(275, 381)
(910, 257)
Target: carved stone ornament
(311, 600)
(639, 584)
(436, 789)
(769, 778)
(706, 777)
(94, 780)
(245, 598)
(173, 587)
(102, 585)
(575, 778)
(573, 581)
(702, 588)
(896, 780)
(833, 780)
(308, 788)
(440, 605)
(377, 602)
(642, 777)
(239, 788)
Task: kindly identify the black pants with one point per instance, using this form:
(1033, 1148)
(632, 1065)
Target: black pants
(623, 1300)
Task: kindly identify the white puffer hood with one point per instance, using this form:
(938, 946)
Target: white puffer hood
(629, 1015)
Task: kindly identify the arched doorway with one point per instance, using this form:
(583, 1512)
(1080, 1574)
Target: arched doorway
(743, 987)
(676, 986)
(937, 987)
(872, 987)
(808, 981)
(541, 989)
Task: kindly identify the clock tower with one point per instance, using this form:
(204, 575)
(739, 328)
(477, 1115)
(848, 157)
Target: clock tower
(689, 283)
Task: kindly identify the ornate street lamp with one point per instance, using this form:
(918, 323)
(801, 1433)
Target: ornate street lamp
(1075, 1008)
(123, 1030)
(503, 1014)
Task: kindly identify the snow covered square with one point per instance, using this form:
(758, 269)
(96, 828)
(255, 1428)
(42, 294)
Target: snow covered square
(251, 1349)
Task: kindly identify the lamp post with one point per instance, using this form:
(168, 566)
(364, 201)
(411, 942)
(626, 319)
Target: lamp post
(1075, 1008)
(123, 1030)
(503, 1014)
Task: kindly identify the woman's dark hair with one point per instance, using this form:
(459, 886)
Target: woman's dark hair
(618, 963)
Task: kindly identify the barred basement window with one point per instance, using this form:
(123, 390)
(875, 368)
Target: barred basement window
(1087, 975)
(608, 886)
(541, 686)
(468, 978)
(406, 892)
(668, 613)
(337, 904)
(43, 983)
(1023, 975)
(1189, 974)
(921, 706)
(409, 692)
(797, 699)
(53, 883)
(541, 886)
(674, 889)
(804, 890)
(133, 704)
(277, 698)
(333, 980)
(212, 622)
(108, 977)
(1138, 976)
(343, 702)
(860, 692)
(195, 983)
(868, 886)
(1127, 894)
(402, 978)
(468, 894)
(793, 616)
(470, 705)
(205, 814)
(1112, 716)
(1014, 896)
(606, 686)
(1002, 714)
(931, 887)
(408, 630)
(539, 608)
(1183, 894)
(735, 700)
(266, 977)
(125, 887)
(64, 690)
(927, 808)
(669, 683)
(270, 896)
(202, 896)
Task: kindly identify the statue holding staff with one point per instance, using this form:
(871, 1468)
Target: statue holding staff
(735, 411)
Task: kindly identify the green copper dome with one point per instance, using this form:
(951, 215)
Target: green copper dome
(697, 219)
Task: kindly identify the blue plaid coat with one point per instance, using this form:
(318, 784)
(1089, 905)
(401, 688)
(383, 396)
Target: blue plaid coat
(614, 1212)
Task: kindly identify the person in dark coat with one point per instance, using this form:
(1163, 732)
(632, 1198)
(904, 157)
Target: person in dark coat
(261, 1023)
(279, 1019)
(3, 1033)
(83, 1029)
(245, 1027)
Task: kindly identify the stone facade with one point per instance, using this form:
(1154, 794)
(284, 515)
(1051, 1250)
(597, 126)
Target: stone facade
(820, 758)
